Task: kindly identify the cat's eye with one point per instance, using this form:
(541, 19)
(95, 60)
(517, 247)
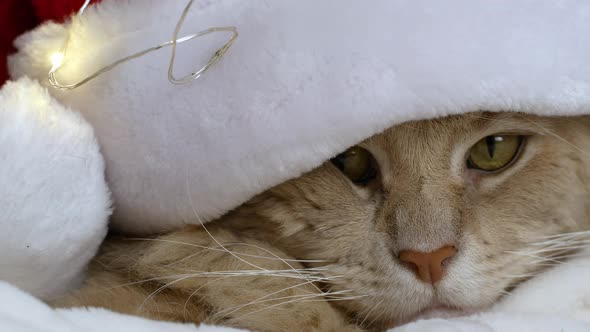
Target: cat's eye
(494, 152)
(357, 164)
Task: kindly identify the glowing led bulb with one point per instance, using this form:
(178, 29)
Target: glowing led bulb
(56, 60)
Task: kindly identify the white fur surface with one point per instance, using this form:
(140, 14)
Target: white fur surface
(20, 312)
(303, 81)
(54, 200)
(496, 322)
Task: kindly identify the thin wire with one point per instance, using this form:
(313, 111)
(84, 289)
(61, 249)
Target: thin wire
(58, 58)
(83, 8)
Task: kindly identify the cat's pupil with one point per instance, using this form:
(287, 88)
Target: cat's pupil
(491, 141)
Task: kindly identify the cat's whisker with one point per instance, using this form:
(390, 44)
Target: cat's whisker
(309, 299)
(523, 254)
(533, 255)
(525, 275)
(365, 313)
(279, 258)
(226, 274)
(561, 240)
(375, 306)
(564, 244)
(276, 257)
(572, 255)
(359, 314)
(567, 235)
(309, 295)
(217, 248)
(170, 241)
(234, 309)
(557, 259)
(348, 298)
(556, 249)
(192, 203)
(251, 273)
(218, 243)
(383, 310)
(308, 279)
(158, 291)
(312, 272)
(547, 265)
(298, 300)
(146, 280)
(187, 258)
(193, 293)
(553, 246)
(551, 133)
(236, 273)
(228, 311)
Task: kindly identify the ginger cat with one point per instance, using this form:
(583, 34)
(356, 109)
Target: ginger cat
(435, 214)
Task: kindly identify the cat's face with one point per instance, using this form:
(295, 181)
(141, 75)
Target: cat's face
(427, 185)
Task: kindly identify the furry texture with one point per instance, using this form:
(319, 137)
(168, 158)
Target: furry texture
(54, 201)
(288, 96)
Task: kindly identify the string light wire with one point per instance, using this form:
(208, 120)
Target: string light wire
(57, 59)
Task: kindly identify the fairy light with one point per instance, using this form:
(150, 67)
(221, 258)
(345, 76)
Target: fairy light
(57, 58)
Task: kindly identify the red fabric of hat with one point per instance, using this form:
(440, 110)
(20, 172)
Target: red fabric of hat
(18, 16)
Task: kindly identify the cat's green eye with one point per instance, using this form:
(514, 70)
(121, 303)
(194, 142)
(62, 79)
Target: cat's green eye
(494, 152)
(357, 164)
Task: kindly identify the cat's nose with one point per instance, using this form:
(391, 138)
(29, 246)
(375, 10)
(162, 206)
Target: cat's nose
(429, 266)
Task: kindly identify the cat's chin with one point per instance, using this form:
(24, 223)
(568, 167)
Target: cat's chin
(440, 311)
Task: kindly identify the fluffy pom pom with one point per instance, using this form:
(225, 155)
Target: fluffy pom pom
(54, 200)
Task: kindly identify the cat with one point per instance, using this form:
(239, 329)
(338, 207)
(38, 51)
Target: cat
(427, 215)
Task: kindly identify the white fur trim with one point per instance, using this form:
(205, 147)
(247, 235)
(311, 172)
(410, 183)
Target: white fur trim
(304, 80)
(20, 312)
(54, 201)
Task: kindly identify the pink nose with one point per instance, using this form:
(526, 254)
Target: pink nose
(429, 266)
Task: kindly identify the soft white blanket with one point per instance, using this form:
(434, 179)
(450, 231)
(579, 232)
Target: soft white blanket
(303, 81)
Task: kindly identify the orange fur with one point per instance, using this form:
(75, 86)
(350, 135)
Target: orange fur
(425, 198)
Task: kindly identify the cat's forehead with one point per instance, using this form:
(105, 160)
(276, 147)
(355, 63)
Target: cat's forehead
(436, 146)
(444, 134)
(439, 129)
